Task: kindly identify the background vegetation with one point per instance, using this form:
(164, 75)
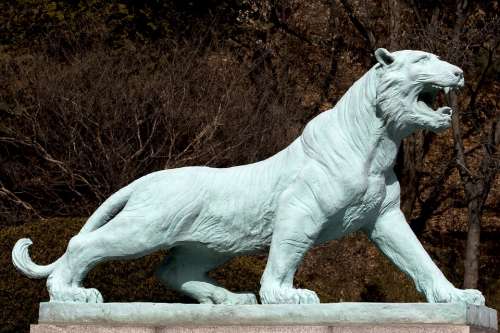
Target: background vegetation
(94, 94)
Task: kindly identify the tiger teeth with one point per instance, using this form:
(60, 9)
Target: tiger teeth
(445, 89)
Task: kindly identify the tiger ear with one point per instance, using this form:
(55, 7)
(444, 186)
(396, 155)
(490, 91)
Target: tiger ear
(384, 57)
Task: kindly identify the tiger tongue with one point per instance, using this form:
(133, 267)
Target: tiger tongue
(424, 106)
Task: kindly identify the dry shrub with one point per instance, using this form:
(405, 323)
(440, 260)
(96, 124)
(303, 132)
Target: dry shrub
(73, 132)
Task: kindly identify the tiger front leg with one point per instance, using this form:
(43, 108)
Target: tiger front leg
(394, 237)
(295, 232)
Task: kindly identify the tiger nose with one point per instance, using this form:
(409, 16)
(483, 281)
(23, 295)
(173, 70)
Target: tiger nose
(458, 73)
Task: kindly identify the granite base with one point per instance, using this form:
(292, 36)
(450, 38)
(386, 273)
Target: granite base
(302, 318)
(46, 328)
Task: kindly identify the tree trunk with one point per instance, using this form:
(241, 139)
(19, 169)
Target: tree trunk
(412, 151)
(471, 272)
(472, 248)
(476, 189)
(395, 28)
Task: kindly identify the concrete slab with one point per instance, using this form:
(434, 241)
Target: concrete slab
(361, 315)
(423, 328)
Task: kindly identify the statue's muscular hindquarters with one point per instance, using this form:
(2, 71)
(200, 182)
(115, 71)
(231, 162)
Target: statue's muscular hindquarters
(334, 179)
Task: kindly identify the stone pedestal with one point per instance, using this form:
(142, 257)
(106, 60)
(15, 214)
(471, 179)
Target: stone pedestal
(318, 318)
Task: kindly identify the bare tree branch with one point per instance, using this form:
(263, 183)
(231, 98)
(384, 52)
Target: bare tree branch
(482, 77)
(366, 33)
(18, 201)
(277, 22)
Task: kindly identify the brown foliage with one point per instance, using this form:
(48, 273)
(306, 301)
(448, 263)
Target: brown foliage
(73, 132)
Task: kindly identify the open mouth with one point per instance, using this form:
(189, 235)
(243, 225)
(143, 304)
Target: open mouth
(433, 95)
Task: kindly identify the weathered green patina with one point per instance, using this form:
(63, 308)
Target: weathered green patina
(336, 178)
